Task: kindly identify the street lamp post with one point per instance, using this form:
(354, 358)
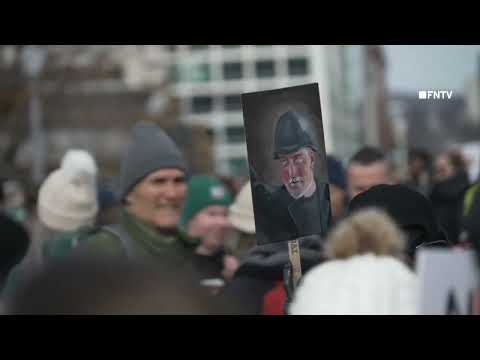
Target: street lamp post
(33, 59)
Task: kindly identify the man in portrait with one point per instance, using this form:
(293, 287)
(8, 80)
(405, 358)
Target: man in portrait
(301, 205)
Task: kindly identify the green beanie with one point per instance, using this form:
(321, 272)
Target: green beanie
(203, 191)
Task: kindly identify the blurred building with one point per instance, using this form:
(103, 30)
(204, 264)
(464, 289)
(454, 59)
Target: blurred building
(210, 79)
(472, 96)
(92, 94)
(89, 97)
(427, 121)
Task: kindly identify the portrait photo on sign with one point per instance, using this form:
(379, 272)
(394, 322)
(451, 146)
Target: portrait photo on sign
(287, 161)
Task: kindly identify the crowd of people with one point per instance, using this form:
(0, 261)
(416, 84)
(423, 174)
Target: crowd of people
(161, 240)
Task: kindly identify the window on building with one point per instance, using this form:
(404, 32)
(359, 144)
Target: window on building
(235, 134)
(298, 66)
(200, 73)
(232, 71)
(202, 104)
(265, 68)
(238, 167)
(195, 73)
(232, 103)
(176, 73)
(198, 47)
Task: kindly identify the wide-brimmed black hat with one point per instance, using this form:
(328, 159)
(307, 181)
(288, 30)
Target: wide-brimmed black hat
(289, 135)
(412, 211)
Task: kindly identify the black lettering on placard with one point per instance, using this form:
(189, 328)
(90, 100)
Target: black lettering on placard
(452, 304)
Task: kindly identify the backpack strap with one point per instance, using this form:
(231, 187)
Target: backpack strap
(118, 231)
(82, 234)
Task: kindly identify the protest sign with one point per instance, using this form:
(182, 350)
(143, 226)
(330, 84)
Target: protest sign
(448, 282)
(288, 171)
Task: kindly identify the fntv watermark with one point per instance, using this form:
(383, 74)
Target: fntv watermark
(435, 94)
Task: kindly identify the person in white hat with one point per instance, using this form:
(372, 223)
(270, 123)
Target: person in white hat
(67, 203)
(365, 274)
(67, 208)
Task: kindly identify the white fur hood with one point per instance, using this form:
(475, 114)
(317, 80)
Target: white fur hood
(362, 284)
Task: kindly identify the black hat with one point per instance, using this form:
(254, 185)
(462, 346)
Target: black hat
(412, 211)
(289, 135)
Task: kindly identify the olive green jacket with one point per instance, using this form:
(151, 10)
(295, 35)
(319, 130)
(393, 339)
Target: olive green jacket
(145, 240)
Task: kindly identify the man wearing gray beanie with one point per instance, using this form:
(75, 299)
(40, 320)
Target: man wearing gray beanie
(152, 188)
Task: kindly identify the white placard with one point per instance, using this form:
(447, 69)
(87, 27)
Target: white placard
(447, 281)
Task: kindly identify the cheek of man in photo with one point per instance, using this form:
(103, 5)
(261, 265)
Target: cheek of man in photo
(296, 172)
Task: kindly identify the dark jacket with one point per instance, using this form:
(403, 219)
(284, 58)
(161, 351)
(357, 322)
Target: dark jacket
(210, 266)
(14, 245)
(262, 271)
(447, 200)
(279, 217)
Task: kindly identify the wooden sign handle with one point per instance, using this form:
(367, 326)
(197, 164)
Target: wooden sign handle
(294, 255)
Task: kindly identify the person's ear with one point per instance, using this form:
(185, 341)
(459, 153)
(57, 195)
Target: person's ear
(312, 157)
(126, 201)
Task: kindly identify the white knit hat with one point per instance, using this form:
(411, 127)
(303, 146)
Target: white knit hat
(67, 199)
(240, 212)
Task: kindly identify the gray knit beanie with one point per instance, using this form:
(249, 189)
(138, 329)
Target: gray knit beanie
(151, 150)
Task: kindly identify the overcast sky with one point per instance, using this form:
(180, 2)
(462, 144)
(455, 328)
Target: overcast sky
(431, 67)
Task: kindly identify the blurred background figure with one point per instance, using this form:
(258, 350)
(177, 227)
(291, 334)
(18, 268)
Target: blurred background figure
(13, 202)
(365, 274)
(108, 286)
(109, 208)
(67, 204)
(419, 171)
(67, 208)
(240, 238)
(410, 210)
(14, 244)
(204, 218)
(337, 180)
(470, 236)
(367, 168)
(448, 190)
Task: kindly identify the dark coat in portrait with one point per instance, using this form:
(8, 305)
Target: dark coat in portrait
(280, 217)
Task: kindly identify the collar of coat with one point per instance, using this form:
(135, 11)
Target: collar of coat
(151, 238)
